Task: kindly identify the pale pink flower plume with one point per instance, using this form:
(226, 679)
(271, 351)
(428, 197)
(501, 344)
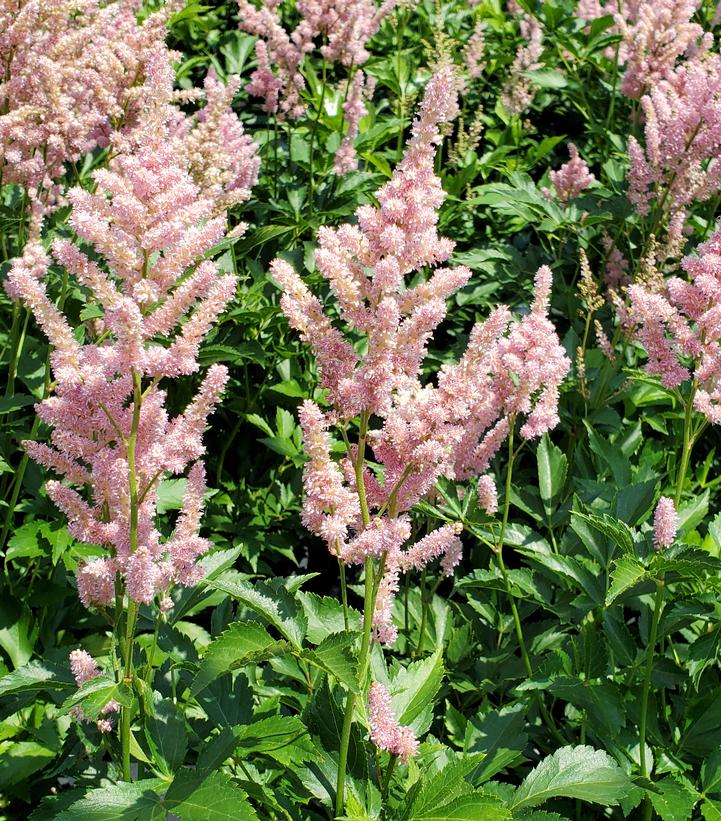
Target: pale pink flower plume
(665, 523)
(487, 494)
(680, 327)
(517, 93)
(69, 71)
(222, 159)
(661, 32)
(385, 731)
(151, 225)
(345, 27)
(678, 164)
(474, 52)
(354, 109)
(511, 369)
(572, 178)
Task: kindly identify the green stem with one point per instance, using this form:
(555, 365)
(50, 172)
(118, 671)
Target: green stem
(424, 614)
(688, 443)
(370, 592)
(343, 592)
(657, 608)
(131, 616)
(311, 151)
(351, 698)
(548, 719)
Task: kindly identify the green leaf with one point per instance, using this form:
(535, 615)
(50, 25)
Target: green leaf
(574, 772)
(166, 736)
(244, 642)
(124, 801)
(17, 637)
(627, 573)
(23, 544)
(195, 797)
(413, 690)
(21, 760)
(617, 532)
(283, 738)
(96, 693)
(676, 800)
(36, 677)
(335, 657)
(472, 807)
(272, 602)
(552, 468)
(500, 736)
(325, 616)
(449, 783)
(711, 810)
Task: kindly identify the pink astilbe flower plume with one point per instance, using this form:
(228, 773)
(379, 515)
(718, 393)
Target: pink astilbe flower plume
(69, 72)
(354, 109)
(572, 178)
(112, 440)
(511, 370)
(680, 327)
(517, 93)
(660, 33)
(385, 731)
(345, 27)
(665, 523)
(679, 164)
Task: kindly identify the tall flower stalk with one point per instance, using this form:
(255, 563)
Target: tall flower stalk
(112, 441)
(420, 432)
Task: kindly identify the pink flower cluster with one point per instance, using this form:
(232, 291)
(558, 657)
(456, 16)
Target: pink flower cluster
(661, 32)
(386, 732)
(453, 428)
(680, 327)
(665, 523)
(84, 668)
(679, 163)
(474, 52)
(69, 69)
(346, 26)
(354, 109)
(222, 158)
(517, 93)
(155, 298)
(571, 179)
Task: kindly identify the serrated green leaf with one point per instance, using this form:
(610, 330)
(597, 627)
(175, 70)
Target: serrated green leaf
(413, 689)
(36, 677)
(166, 736)
(711, 810)
(274, 603)
(129, 801)
(96, 693)
(194, 797)
(334, 655)
(574, 772)
(627, 573)
(676, 800)
(449, 783)
(325, 616)
(283, 738)
(244, 642)
(472, 807)
(618, 532)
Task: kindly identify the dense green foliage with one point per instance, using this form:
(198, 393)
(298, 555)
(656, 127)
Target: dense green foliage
(241, 687)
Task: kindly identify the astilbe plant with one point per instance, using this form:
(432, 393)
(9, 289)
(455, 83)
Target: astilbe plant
(112, 439)
(678, 323)
(656, 33)
(423, 431)
(679, 163)
(345, 29)
(69, 68)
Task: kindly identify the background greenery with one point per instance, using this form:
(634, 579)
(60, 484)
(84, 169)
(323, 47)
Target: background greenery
(581, 563)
